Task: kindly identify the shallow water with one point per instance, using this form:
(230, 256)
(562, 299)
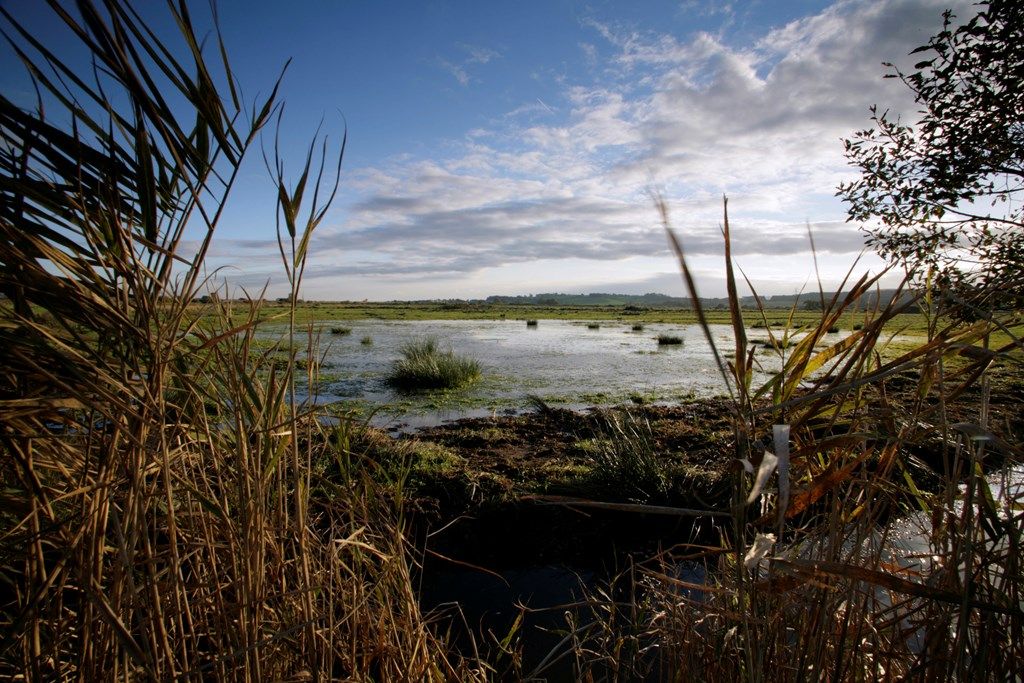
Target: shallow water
(561, 361)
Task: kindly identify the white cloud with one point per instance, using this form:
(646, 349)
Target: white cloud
(473, 55)
(694, 116)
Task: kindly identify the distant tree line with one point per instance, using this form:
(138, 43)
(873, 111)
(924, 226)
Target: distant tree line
(806, 300)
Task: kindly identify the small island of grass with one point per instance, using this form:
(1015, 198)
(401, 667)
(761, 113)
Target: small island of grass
(424, 366)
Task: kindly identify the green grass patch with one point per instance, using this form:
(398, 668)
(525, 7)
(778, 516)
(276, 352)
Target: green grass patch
(424, 366)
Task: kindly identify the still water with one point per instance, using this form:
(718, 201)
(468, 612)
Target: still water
(564, 362)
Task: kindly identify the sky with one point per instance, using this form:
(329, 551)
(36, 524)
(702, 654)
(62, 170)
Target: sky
(514, 147)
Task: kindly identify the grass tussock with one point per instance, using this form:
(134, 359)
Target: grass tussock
(637, 328)
(424, 366)
(669, 340)
(593, 326)
(623, 459)
(531, 323)
(341, 331)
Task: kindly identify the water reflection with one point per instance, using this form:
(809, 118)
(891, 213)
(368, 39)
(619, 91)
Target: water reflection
(563, 362)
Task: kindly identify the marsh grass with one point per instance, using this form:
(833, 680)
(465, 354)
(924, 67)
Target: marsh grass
(624, 463)
(171, 511)
(424, 366)
(341, 330)
(669, 340)
(637, 328)
(531, 323)
(593, 326)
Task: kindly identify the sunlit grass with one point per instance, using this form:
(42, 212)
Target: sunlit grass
(424, 366)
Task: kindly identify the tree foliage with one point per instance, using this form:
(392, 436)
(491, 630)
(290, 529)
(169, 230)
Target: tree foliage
(943, 196)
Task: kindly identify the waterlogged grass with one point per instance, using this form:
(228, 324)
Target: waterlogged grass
(424, 366)
(669, 340)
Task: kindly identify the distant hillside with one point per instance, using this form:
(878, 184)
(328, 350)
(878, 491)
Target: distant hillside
(655, 300)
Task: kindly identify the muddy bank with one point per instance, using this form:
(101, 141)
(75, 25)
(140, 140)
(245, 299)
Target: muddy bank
(482, 478)
(654, 455)
(492, 542)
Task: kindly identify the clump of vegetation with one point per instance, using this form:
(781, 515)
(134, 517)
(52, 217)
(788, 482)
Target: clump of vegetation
(593, 326)
(623, 458)
(833, 329)
(531, 323)
(669, 340)
(638, 328)
(341, 330)
(424, 366)
(366, 341)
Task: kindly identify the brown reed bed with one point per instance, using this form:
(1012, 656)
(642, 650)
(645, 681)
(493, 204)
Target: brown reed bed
(171, 511)
(812, 579)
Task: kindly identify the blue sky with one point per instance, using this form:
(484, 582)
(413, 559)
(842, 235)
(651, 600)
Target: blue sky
(511, 147)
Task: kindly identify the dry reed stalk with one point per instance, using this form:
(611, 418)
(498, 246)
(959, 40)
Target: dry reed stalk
(167, 513)
(837, 598)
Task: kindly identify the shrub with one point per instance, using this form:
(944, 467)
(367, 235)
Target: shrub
(424, 366)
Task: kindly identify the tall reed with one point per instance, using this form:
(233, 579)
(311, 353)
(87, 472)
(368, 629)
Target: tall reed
(812, 580)
(158, 472)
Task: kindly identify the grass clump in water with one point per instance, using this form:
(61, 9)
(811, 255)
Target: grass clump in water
(669, 340)
(424, 366)
(531, 323)
(638, 328)
(341, 330)
(366, 341)
(593, 326)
